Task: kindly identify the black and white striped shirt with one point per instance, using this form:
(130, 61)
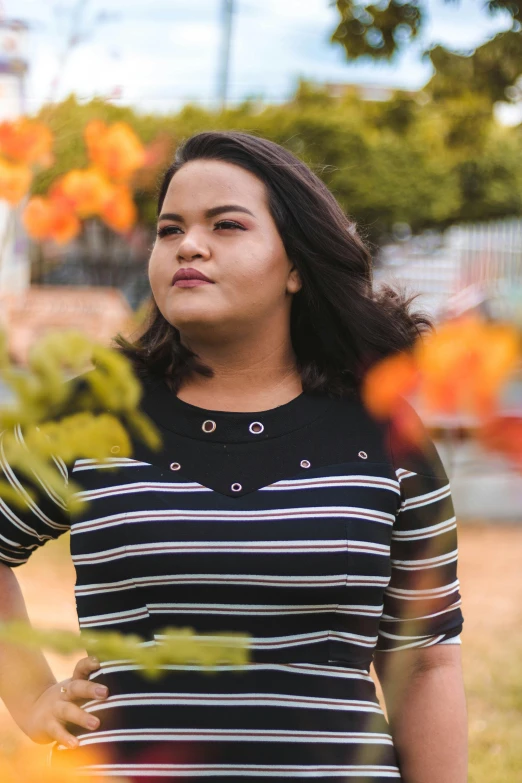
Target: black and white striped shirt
(313, 528)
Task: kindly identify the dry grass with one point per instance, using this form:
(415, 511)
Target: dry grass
(491, 577)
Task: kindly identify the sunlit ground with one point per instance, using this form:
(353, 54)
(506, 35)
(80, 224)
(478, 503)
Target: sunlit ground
(490, 572)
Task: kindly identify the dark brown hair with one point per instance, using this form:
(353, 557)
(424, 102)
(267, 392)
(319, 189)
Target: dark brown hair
(339, 324)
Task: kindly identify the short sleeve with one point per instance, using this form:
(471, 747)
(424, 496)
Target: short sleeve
(422, 604)
(27, 525)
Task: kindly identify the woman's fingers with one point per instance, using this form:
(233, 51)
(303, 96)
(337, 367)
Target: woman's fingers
(79, 687)
(84, 690)
(85, 667)
(67, 712)
(58, 732)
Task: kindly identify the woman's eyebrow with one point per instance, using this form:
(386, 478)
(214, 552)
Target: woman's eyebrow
(210, 213)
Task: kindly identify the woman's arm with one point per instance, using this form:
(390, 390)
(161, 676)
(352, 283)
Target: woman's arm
(28, 686)
(424, 694)
(24, 672)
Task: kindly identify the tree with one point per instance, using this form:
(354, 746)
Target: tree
(401, 160)
(491, 70)
(383, 30)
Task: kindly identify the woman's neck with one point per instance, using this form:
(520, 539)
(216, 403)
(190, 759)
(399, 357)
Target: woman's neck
(247, 378)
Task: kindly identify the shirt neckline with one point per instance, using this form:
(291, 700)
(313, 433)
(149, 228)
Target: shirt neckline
(171, 413)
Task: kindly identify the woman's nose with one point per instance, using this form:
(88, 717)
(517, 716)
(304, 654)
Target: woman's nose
(192, 247)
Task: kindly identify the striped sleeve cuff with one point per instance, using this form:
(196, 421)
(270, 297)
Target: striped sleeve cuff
(422, 604)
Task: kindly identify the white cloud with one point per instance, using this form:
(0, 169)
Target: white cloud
(194, 34)
(162, 52)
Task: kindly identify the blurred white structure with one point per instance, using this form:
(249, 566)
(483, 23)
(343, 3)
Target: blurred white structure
(469, 266)
(14, 263)
(13, 67)
(475, 266)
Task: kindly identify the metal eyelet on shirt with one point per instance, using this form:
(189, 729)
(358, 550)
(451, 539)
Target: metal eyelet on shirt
(115, 450)
(305, 463)
(256, 428)
(175, 466)
(236, 487)
(208, 426)
(363, 455)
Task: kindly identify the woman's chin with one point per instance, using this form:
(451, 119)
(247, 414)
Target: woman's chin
(196, 321)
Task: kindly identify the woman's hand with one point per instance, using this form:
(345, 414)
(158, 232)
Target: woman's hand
(54, 708)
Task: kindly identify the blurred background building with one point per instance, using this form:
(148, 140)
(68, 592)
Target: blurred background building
(14, 65)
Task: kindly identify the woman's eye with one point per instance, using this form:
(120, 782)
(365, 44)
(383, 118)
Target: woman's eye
(176, 230)
(228, 224)
(166, 230)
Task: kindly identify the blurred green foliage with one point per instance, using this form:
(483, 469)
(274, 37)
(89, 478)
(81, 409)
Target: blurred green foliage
(428, 161)
(382, 29)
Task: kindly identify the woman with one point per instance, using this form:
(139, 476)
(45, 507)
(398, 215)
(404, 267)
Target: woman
(278, 507)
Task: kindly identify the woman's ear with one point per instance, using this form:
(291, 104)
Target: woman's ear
(293, 284)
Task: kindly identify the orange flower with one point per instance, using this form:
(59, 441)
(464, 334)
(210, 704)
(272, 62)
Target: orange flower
(51, 218)
(119, 212)
(115, 148)
(464, 365)
(15, 179)
(25, 765)
(384, 389)
(459, 368)
(87, 190)
(26, 141)
(37, 218)
(94, 133)
(387, 381)
(65, 224)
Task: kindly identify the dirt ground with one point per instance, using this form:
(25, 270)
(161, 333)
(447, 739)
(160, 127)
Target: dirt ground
(490, 570)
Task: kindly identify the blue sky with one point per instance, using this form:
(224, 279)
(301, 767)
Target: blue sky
(160, 53)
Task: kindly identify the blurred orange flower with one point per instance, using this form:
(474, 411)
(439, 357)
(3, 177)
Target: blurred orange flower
(100, 190)
(385, 387)
(88, 190)
(464, 365)
(15, 179)
(94, 133)
(37, 217)
(387, 381)
(459, 368)
(119, 212)
(51, 218)
(26, 141)
(114, 148)
(66, 225)
(27, 766)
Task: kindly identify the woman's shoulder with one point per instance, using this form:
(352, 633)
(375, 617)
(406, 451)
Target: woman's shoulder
(402, 438)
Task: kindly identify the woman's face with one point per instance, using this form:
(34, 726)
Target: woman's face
(215, 219)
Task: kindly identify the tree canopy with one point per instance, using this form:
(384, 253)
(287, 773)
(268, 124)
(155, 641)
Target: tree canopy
(427, 164)
(383, 30)
(380, 30)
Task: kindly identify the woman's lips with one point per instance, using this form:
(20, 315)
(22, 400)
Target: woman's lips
(191, 283)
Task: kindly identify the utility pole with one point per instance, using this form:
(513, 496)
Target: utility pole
(227, 12)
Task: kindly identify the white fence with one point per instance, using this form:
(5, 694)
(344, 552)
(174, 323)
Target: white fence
(488, 251)
(465, 266)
